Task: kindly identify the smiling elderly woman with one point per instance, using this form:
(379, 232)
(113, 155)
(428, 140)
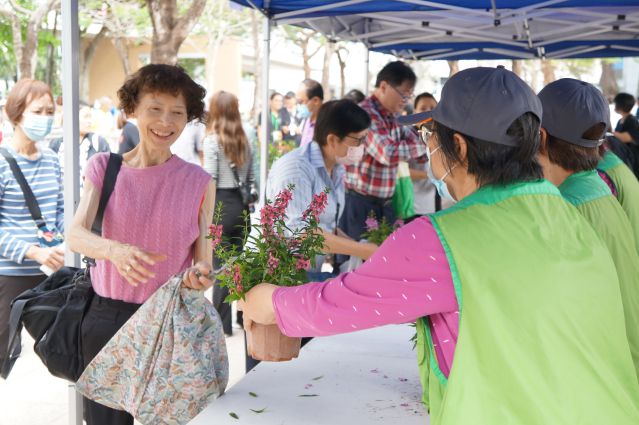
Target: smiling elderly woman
(156, 221)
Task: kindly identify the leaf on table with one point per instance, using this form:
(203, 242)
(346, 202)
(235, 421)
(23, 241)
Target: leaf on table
(258, 411)
(317, 378)
(234, 415)
(308, 395)
(252, 394)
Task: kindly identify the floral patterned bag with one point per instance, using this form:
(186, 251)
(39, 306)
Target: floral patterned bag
(166, 364)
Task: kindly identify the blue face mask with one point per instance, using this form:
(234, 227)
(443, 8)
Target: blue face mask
(36, 127)
(303, 111)
(440, 184)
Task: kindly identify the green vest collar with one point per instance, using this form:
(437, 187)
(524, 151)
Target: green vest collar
(582, 187)
(609, 161)
(492, 194)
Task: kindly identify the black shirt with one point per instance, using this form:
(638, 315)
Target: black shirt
(629, 125)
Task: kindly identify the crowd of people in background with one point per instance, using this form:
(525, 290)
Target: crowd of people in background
(359, 147)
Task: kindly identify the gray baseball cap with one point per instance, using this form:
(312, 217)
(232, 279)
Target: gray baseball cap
(570, 108)
(482, 103)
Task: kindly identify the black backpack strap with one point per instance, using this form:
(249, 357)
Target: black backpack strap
(236, 176)
(108, 184)
(15, 327)
(32, 203)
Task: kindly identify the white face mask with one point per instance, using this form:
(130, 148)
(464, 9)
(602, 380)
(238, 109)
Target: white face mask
(353, 156)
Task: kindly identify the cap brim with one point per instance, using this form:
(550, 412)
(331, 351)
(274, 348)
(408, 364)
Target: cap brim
(415, 119)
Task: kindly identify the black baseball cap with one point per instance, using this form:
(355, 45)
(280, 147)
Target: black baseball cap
(571, 107)
(483, 103)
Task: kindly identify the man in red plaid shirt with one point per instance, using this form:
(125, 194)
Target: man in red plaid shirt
(371, 183)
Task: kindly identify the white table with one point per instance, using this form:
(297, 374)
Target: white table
(364, 377)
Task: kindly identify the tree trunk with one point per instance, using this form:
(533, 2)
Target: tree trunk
(17, 42)
(307, 58)
(329, 49)
(454, 68)
(26, 50)
(548, 69)
(518, 67)
(50, 71)
(122, 47)
(342, 72)
(169, 30)
(85, 62)
(608, 82)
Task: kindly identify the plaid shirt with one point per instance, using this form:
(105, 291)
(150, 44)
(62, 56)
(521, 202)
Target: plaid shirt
(387, 144)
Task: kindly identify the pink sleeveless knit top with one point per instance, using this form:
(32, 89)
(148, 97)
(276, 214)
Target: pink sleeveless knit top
(154, 208)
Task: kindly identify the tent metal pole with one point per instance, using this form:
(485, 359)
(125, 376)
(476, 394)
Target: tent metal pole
(266, 111)
(366, 72)
(70, 96)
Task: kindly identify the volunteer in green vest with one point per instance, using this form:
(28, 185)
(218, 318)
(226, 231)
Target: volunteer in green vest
(625, 184)
(512, 284)
(576, 116)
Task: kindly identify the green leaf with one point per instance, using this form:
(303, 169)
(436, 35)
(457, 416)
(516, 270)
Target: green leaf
(258, 411)
(317, 378)
(234, 415)
(252, 394)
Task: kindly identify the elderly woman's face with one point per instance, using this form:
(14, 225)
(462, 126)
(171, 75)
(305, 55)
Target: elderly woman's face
(161, 118)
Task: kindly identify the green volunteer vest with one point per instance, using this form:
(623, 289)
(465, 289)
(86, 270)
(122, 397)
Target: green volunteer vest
(541, 337)
(627, 188)
(592, 197)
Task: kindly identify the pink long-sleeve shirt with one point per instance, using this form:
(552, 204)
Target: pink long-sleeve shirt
(408, 277)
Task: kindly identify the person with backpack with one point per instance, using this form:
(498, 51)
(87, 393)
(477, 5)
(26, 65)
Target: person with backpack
(90, 142)
(27, 245)
(155, 222)
(229, 161)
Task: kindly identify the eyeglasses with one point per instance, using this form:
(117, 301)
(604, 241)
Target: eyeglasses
(405, 98)
(425, 132)
(360, 140)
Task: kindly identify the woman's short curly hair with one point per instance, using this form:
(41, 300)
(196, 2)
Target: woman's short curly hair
(162, 78)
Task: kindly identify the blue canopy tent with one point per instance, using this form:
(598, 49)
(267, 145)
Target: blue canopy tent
(461, 29)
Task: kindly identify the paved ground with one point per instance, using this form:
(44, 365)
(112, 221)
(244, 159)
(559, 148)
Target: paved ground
(31, 396)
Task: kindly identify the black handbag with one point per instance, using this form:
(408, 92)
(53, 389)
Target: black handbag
(53, 311)
(248, 191)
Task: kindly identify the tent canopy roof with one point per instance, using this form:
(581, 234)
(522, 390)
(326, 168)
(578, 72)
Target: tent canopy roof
(470, 29)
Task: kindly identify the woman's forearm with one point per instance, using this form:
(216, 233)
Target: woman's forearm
(624, 136)
(339, 245)
(85, 242)
(203, 251)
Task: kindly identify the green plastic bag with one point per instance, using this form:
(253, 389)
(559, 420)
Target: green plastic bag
(404, 196)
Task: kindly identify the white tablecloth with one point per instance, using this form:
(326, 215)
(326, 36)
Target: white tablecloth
(359, 378)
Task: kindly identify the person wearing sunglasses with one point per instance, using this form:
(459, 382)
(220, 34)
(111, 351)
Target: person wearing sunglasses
(371, 183)
(514, 294)
(576, 116)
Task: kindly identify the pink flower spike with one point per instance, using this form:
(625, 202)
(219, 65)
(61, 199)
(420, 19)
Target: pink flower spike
(371, 224)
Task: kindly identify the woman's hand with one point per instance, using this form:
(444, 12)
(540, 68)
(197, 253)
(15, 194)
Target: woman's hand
(52, 257)
(258, 305)
(199, 276)
(133, 262)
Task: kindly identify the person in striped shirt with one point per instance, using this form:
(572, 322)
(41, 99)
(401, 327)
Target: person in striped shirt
(30, 110)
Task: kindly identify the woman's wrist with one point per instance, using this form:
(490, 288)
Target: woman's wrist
(111, 249)
(32, 252)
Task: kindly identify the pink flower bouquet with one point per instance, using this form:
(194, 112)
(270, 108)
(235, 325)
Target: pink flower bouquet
(274, 253)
